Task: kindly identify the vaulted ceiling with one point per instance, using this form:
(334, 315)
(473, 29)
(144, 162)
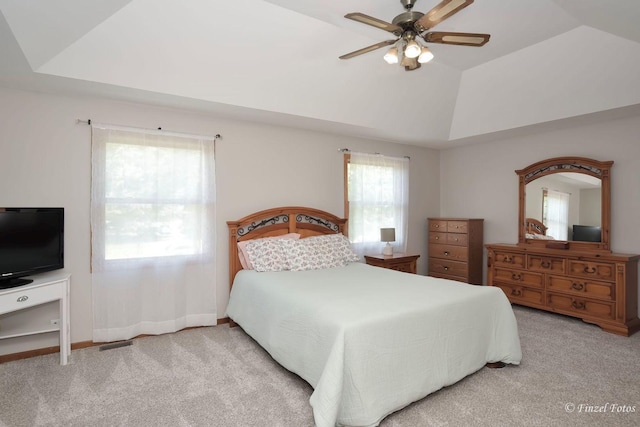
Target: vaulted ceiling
(277, 61)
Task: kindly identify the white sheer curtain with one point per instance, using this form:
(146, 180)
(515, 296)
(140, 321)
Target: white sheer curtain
(378, 195)
(556, 213)
(152, 232)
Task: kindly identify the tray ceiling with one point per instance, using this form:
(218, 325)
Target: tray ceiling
(277, 61)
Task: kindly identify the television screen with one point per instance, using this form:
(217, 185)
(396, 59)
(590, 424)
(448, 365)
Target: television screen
(587, 233)
(31, 242)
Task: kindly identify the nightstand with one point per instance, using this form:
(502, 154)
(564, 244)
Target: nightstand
(397, 261)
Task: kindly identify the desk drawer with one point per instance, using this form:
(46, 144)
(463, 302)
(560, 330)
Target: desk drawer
(17, 298)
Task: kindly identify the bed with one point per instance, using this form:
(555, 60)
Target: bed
(369, 340)
(535, 229)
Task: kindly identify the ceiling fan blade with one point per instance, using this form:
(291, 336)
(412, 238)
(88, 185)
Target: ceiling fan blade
(375, 22)
(464, 39)
(442, 11)
(368, 49)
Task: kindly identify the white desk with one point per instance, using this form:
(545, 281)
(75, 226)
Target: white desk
(46, 287)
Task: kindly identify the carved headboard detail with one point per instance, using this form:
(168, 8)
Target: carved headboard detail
(277, 221)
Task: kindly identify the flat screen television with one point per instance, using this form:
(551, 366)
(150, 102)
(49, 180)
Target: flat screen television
(587, 233)
(31, 242)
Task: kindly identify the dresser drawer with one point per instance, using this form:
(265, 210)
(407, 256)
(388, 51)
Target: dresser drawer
(437, 237)
(457, 239)
(581, 306)
(519, 277)
(593, 269)
(509, 259)
(438, 225)
(453, 268)
(522, 294)
(457, 227)
(581, 287)
(455, 253)
(546, 264)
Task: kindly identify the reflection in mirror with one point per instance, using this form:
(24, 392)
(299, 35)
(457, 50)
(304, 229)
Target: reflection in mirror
(569, 204)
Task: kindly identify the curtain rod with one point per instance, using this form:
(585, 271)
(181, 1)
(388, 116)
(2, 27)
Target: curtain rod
(88, 122)
(347, 150)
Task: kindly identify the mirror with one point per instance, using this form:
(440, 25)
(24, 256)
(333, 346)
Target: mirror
(565, 203)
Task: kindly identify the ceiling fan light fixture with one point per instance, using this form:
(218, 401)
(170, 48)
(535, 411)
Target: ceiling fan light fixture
(392, 55)
(412, 50)
(425, 55)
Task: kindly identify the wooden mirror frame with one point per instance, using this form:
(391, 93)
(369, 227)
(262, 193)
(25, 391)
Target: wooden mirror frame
(595, 168)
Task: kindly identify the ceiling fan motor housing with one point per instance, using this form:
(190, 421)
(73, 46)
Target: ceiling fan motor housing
(407, 20)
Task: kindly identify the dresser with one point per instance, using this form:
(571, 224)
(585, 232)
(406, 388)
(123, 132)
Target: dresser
(455, 249)
(599, 288)
(397, 261)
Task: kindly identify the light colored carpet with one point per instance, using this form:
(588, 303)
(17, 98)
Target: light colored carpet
(221, 377)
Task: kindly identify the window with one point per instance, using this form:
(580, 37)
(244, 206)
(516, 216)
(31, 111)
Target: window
(376, 196)
(152, 232)
(155, 195)
(555, 213)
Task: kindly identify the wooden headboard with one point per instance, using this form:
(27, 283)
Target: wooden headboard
(277, 221)
(533, 226)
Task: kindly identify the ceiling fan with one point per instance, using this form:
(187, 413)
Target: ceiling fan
(410, 25)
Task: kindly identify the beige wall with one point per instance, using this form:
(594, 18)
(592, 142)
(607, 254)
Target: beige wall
(479, 180)
(45, 161)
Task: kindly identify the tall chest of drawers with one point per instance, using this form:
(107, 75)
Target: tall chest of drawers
(455, 249)
(598, 288)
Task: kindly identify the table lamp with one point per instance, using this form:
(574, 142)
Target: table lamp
(388, 235)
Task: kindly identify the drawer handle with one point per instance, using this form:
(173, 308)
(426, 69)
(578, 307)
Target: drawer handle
(545, 263)
(516, 292)
(446, 268)
(516, 276)
(437, 226)
(589, 269)
(457, 240)
(577, 286)
(508, 259)
(446, 253)
(578, 305)
(437, 237)
(457, 226)
(22, 298)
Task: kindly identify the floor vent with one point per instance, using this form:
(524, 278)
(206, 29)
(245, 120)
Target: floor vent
(115, 345)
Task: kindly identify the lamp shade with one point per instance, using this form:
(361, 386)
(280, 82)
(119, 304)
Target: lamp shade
(412, 50)
(392, 56)
(387, 234)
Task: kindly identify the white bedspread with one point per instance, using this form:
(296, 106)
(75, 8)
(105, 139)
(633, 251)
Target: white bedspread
(371, 340)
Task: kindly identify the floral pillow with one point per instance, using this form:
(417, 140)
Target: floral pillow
(242, 248)
(344, 249)
(268, 254)
(311, 254)
(318, 252)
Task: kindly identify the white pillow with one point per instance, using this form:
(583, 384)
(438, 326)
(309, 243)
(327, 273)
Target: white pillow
(268, 254)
